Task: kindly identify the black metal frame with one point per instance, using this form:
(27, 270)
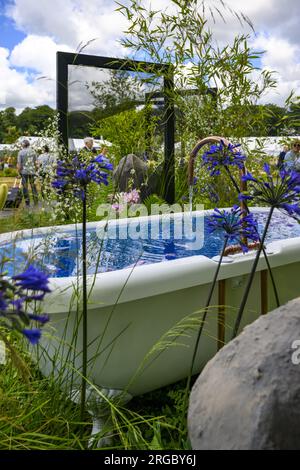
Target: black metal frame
(64, 59)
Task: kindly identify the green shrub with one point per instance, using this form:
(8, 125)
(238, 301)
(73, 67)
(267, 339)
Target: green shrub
(3, 195)
(9, 172)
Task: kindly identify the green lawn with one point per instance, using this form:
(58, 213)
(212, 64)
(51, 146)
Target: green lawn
(36, 415)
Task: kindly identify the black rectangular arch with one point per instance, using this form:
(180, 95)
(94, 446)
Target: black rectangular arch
(64, 59)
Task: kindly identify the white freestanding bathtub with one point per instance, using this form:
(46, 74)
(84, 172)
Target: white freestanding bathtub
(142, 321)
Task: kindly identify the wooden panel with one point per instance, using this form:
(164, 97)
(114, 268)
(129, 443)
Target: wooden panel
(221, 313)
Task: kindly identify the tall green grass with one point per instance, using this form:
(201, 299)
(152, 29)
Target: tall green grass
(35, 414)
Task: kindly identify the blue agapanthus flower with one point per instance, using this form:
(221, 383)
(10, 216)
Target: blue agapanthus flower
(235, 225)
(280, 190)
(220, 155)
(39, 318)
(76, 174)
(32, 335)
(16, 295)
(34, 280)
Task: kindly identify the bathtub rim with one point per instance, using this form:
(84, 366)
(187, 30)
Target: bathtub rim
(148, 280)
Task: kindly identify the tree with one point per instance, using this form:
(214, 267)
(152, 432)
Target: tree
(181, 36)
(293, 114)
(2, 129)
(9, 131)
(120, 92)
(11, 135)
(274, 119)
(9, 117)
(34, 119)
(80, 123)
(126, 130)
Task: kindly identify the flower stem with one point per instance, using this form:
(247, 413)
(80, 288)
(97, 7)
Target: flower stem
(259, 239)
(84, 312)
(251, 276)
(212, 287)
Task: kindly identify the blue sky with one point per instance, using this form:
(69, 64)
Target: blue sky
(9, 36)
(31, 31)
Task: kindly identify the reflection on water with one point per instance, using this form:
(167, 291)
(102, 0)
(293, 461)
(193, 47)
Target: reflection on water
(60, 254)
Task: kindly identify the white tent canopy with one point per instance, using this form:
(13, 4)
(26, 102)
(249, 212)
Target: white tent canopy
(270, 145)
(77, 144)
(5, 147)
(37, 143)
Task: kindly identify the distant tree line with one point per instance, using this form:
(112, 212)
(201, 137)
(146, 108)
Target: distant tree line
(31, 121)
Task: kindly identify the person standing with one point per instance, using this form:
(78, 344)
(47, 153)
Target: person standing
(46, 163)
(104, 151)
(292, 158)
(281, 156)
(27, 162)
(89, 145)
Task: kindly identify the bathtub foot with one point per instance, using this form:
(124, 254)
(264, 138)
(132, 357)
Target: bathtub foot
(98, 405)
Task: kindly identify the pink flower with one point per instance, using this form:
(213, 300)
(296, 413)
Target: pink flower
(132, 197)
(117, 207)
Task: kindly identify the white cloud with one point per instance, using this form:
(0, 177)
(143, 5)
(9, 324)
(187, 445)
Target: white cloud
(16, 89)
(279, 18)
(71, 21)
(79, 77)
(53, 18)
(283, 57)
(279, 54)
(52, 25)
(27, 74)
(37, 53)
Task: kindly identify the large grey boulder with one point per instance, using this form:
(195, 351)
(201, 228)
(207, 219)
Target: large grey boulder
(248, 395)
(130, 168)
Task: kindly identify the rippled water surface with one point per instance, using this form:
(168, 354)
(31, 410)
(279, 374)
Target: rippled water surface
(60, 253)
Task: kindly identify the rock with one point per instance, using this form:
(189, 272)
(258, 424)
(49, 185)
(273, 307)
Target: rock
(123, 174)
(130, 168)
(248, 396)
